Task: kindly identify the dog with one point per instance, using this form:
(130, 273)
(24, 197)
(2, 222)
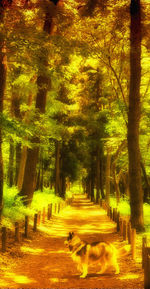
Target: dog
(98, 253)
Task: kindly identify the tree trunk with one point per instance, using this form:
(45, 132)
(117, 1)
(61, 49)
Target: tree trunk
(135, 186)
(23, 156)
(43, 83)
(57, 168)
(107, 185)
(97, 174)
(2, 89)
(38, 180)
(92, 177)
(42, 172)
(147, 186)
(102, 173)
(11, 164)
(18, 158)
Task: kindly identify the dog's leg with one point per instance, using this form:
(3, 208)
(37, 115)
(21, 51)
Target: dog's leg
(79, 267)
(85, 270)
(116, 266)
(85, 264)
(103, 268)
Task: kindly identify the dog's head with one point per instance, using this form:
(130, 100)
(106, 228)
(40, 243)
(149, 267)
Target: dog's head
(69, 238)
(72, 240)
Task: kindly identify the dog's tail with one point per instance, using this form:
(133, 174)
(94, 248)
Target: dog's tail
(124, 251)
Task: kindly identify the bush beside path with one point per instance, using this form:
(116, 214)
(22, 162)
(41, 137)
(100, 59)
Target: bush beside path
(42, 261)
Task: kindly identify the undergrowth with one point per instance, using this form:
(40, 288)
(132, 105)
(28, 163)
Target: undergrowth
(14, 209)
(124, 209)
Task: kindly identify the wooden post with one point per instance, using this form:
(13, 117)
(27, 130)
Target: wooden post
(39, 218)
(121, 226)
(4, 239)
(118, 223)
(124, 230)
(144, 245)
(58, 208)
(116, 212)
(108, 211)
(55, 208)
(26, 226)
(49, 211)
(133, 243)
(35, 222)
(43, 215)
(129, 232)
(17, 233)
(111, 213)
(147, 268)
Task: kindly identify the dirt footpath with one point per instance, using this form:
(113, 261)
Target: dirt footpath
(44, 262)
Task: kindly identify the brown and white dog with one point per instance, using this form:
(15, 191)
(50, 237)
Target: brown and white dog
(99, 253)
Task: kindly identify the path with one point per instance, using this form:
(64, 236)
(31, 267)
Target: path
(44, 262)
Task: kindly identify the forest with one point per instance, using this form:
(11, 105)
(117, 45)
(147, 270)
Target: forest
(74, 104)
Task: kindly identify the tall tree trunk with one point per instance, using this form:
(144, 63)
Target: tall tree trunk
(116, 183)
(18, 158)
(107, 183)
(135, 186)
(57, 168)
(15, 111)
(23, 156)
(92, 177)
(97, 174)
(11, 164)
(43, 83)
(147, 186)
(42, 171)
(102, 172)
(2, 89)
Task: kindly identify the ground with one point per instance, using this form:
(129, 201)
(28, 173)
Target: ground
(43, 261)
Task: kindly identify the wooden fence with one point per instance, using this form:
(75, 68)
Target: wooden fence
(129, 234)
(21, 230)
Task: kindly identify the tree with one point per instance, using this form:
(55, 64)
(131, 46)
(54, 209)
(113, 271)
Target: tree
(3, 5)
(43, 84)
(135, 186)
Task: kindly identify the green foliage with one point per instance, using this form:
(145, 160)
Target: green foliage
(42, 199)
(14, 210)
(124, 209)
(76, 189)
(123, 206)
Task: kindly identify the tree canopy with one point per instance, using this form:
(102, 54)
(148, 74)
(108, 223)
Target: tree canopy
(65, 96)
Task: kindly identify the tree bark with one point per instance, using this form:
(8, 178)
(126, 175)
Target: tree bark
(147, 186)
(92, 176)
(135, 186)
(11, 164)
(102, 173)
(43, 83)
(2, 89)
(23, 157)
(97, 174)
(57, 168)
(107, 184)
(18, 158)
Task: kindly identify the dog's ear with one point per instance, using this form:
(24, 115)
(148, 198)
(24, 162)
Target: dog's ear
(71, 234)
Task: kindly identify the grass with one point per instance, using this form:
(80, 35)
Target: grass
(124, 209)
